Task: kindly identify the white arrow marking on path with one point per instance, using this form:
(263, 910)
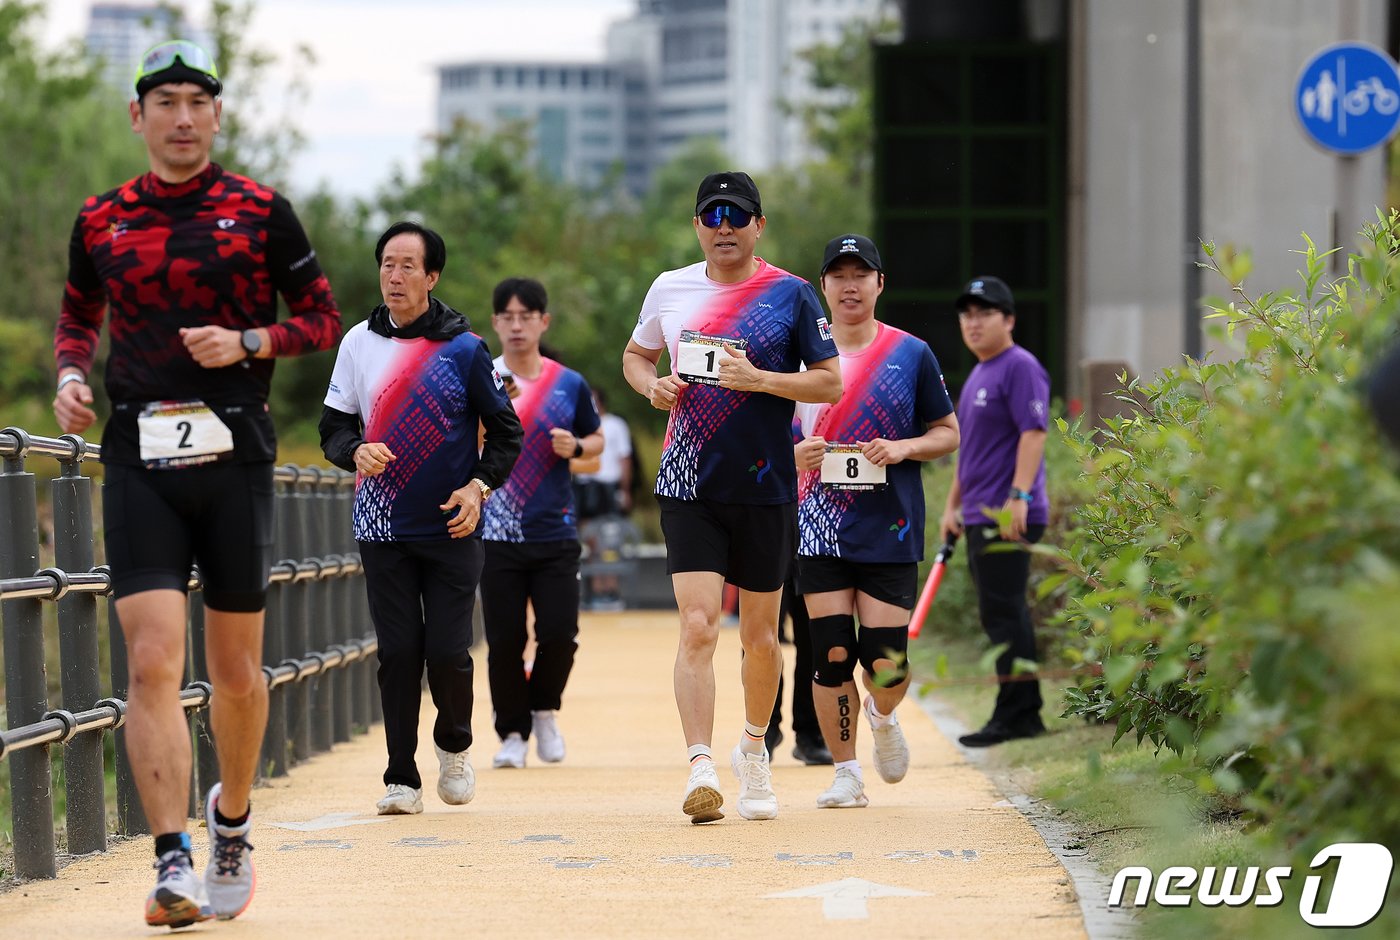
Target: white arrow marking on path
(845, 899)
(329, 821)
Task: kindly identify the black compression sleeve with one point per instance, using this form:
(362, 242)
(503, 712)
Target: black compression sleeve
(340, 435)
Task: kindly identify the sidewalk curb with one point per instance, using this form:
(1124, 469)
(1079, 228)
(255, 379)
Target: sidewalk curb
(1090, 884)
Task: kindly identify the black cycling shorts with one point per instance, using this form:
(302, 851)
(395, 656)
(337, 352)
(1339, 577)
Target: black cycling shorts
(894, 583)
(160, 522)
(751, 545)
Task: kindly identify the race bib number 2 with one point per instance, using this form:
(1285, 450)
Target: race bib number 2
(698, 356)
(844, 467)
(182, 434)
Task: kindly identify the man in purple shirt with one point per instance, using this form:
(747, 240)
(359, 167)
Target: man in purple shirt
(1002, 411)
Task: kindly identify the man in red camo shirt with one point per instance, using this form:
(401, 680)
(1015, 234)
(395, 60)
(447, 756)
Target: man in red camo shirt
(188, 260)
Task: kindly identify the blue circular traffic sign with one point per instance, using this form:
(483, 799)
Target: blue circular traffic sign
(1348, 97)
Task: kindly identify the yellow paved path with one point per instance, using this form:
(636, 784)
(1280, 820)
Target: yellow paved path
(597, 846)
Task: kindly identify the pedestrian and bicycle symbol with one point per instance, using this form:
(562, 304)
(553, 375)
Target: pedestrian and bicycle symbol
(1348, 97)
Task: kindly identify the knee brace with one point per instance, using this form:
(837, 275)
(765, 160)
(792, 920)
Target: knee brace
(830, 634)
(890, 643)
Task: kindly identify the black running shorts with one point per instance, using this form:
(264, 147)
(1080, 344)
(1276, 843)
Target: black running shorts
(752, 546)
(894, 583)
(159, 522)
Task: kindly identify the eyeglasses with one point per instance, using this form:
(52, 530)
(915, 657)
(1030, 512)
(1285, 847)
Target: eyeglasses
(526, 317)
(714, 216)
(161, 57)
(977, 313)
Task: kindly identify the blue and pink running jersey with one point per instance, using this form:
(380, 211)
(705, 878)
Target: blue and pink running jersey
(893, 390)
(423, 399)
(729, 446)
(536, 504)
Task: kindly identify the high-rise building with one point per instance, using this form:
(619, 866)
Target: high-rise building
(575, 110)
(119, 33)
(675, 71)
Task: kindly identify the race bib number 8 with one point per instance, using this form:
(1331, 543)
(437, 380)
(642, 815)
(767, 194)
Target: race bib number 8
(698, 356)
(844, 467)
(182, 434)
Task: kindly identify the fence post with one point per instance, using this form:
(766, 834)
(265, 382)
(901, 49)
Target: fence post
(318, 615)
(294, 618)
(78, 655)
(337, 628)
(204, 767)
(363, 672)
(131, 816)
(274, 749)
(26, 693)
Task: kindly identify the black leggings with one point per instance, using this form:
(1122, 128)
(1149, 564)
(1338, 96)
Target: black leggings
(544, 574)
(420, 599)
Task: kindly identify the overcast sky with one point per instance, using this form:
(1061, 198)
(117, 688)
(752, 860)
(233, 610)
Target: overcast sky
(373, 89)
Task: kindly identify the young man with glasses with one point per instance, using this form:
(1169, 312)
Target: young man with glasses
(531, 533)
(861, 516)
(737, 332)
(1001, 468)
(188, 259)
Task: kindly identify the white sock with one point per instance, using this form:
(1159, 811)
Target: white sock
(699, 752)
(751, 741)
(853, 766)
(877, 720)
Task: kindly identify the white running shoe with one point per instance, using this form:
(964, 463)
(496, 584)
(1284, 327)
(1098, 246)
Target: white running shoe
(756, 797)
(456, 779)
(847, 791)
(512, 753)
(229, 876)
(702, 796)
(178, 899)
(891, 750)
(549, 743)
(400, 800)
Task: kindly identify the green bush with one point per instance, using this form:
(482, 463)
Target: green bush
(1234, 572)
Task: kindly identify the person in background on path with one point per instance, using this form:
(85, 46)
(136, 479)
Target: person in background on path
(1003, 410)
(737, 331)
(861, 516)
(187, 260)
(412, 385)
(602, 493)
(532, 546)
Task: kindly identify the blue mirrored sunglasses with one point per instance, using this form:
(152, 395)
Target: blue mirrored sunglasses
(714, 216)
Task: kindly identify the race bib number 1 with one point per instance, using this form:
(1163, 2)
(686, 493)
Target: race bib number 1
(182, 434)
(698, 356)
(844, 467)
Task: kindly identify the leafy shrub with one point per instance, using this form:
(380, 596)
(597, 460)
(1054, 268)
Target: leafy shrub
(1234, 573)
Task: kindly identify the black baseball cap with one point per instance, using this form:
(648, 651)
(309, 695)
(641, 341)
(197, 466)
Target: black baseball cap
(855, 246)
(989, 292)
(729, 186)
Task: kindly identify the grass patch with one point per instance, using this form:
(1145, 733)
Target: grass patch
(1126, 804)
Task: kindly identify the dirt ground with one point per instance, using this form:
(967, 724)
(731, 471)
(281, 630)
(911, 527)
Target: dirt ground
(598, 847)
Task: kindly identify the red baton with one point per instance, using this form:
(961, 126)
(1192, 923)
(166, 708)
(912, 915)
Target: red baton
(935, 578)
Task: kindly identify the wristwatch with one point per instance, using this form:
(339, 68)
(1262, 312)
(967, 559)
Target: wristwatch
(485, 490)
(71, 377)
(1017, 493)
(252, 342)
(578, 448)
